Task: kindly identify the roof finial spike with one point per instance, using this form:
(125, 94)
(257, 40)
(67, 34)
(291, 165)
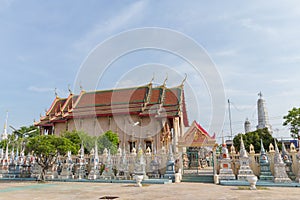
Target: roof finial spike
(152, 78)
(182, 83)
(80, 86)
(55, 92)
(69, 88)
(165, 81)
(260, 95)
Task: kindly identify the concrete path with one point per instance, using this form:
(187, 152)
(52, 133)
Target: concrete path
(74, 191)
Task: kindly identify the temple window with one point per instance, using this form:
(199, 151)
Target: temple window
(131, 145)
(149, 144)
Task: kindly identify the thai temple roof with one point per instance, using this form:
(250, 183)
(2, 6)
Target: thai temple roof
(196, 136)
(142, 100)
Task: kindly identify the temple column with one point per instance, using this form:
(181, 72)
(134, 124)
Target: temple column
(176, 134)
(181, 126)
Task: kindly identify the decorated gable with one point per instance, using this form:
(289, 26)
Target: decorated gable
(196, 136)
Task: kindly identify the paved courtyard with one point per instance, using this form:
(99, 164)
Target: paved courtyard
(73, 191)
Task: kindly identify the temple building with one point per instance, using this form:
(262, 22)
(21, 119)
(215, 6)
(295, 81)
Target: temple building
(149, 116)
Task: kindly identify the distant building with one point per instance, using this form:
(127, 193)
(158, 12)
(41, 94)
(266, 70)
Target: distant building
(263, 119)
(153, 117)
(247, 126)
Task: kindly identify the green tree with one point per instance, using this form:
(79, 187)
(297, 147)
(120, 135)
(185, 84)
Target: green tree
(254, 139)
(73, 136)
(292, 119)
(108, 140)
(46, 148)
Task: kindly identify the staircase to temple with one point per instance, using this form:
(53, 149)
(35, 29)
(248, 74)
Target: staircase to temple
(200, 176)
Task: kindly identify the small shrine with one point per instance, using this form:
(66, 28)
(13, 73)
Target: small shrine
(94, 163)
(80, 167)
(245, 171)
(170, 169)
(226, 172)
(288, 163)
(298, 160)
(265, 171)
(280, 174)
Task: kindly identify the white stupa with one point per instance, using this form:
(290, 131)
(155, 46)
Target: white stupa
(263, 119)
(247, 126)
(4, 134)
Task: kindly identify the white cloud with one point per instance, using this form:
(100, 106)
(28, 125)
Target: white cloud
(256, 27)
(40, 89)
(226, 53)
(60, 92)
(128, 15)
(281, 81)
(289, 59)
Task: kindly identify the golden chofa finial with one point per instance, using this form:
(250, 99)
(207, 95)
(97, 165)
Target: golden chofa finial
(80, 86)
(182, 83)
(55, 92)
(165, 81)
(152, 79)
(69, 88)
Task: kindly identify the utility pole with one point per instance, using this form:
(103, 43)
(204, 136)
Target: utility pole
(230, 119)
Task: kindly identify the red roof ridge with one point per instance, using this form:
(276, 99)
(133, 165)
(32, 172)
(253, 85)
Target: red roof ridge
(79, 97)
(118, 89)
(67, 101)
(56, 100)
(201, 128)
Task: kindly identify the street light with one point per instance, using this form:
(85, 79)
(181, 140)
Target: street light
(133, 125)
(25, 134)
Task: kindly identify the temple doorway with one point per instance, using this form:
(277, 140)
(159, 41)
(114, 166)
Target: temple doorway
(197, 157)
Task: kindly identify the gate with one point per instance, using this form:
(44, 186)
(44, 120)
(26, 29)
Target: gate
(191, 165)
(196, 167)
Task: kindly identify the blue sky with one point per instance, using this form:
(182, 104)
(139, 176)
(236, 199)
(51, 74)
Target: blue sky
(254, 45)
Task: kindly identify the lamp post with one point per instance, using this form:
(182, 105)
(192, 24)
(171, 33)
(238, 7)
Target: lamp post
(134, 125)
